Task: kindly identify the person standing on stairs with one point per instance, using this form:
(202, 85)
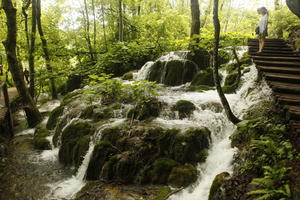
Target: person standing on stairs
(263, 27)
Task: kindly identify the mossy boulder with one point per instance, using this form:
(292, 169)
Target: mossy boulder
(224, 57)
(146, 110)
(74, 142)
(187, 147)
(201, 57)
(101, 154)
(217, 183)
(54, 116)
(40, 141)
(246, 59)
(161, 169)
(204, 77)
(127, 76)
(231, 82)
(185, 108)
(183, 176)
(174, 72)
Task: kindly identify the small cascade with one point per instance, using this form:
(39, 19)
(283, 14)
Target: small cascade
(67, 189)
(171, 69)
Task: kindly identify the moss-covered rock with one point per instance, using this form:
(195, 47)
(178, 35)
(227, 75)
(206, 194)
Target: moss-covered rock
(101, 154)
(74, 82)
(146, 110)
(174, 72)
(185, 108)
(127, 76)
(224, 57)
(203, 77)
(231, 82)
(187, 146)
(54, 116)
(246, 59)
(74, 142)
(201, 57)
(218, 181)
(182, 176)
(161, 170)
(40, 141)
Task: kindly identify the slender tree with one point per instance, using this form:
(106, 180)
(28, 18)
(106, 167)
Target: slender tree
(224, 101)
(195, 26)
(46, 51)
(207, 13)
(87, 29)
(32, 113)
(94, 20)
(32, 49)
(121, 33)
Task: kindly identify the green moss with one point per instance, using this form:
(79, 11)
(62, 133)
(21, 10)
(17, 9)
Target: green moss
(70, 97)
(231, 82)
(183, 176)
(218, 181)
(224, 57)
(184, 107)
(163, 193)
(161, 170)
(80, 149)
(39, 140)
(146, 110)
(246, 59)
(86, 188)
(127, 76)
(74, 142)
(54, 116)
(102, 152)
(112, 134)
(204, 77)
(187, 147)
(87, 112)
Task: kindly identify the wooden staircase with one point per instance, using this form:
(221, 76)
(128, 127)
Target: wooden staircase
(280, 66)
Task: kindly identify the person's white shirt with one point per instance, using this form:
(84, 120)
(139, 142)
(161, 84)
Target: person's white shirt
(263, 23)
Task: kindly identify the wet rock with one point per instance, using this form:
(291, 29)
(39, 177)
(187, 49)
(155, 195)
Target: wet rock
(201, 57)
(218, 181)
(127, 76)
(74, 142)
(147, 110)
(54, 116)
(183, 176)
(213, 106)
(185, 108)
(146, 154)
(187, 146)
(161, 170)
(231, 83)
(40, 141)
(174, 72)
(204, 77)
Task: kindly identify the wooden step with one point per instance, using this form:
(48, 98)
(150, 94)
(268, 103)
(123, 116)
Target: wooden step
(267, 40)
(284, 87)
(285, 70)
(273, 50)
(278, 58)
(276, 63)
(282, 45)
(288, 99)
(255, 48)
(292, 113)
(296, 55)
(287, 78)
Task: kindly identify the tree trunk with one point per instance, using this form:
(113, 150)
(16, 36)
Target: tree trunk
(95, 27)
(32, 113)
(120, 22)
(24, 11)
(195, 26)
(207, 12)
(46, 51)
(32, 50)
(87, 25)
(103, 26)
(236, 57)
(223, 99)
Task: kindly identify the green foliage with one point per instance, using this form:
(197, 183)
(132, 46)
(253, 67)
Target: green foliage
(112, 90)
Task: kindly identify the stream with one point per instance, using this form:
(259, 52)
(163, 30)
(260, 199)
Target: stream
(52, 181)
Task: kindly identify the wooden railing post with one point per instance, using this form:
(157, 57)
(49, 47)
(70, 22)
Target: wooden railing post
(7, 105)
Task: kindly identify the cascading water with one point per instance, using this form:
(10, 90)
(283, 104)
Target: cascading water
(208, 114)
(67, 189)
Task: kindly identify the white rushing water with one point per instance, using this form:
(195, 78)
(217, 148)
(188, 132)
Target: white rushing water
(220, 154)
(67, 189)
(209, 113)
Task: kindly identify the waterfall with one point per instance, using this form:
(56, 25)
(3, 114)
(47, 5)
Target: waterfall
(68, 188)
(220, 154)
